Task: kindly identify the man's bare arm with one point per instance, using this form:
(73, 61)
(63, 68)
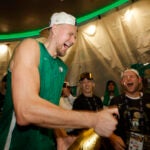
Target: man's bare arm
(32, 109)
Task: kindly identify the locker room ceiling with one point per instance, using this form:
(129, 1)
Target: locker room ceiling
(25, 15)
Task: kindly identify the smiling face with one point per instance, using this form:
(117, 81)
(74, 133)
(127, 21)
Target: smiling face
(87, 87)
(131, 82)
(65, 36)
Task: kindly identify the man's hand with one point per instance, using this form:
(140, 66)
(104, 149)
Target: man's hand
(106, 122)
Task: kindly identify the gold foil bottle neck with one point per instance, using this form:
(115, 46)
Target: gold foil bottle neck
(87, 140)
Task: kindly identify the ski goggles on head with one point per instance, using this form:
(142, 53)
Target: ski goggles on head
(86, 75)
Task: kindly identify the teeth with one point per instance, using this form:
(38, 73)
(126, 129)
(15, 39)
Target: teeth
(65, 45)
(68, 44)
(129, 84)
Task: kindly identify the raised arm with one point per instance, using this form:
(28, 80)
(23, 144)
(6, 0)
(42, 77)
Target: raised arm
(30, 108)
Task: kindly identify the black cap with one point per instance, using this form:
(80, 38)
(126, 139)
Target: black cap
(86, 75)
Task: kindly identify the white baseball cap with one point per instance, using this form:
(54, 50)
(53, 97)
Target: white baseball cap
(130, 69)
(60, 18)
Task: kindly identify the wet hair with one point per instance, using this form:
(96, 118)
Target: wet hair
(4, 79)
(108, 82)
(106, 94)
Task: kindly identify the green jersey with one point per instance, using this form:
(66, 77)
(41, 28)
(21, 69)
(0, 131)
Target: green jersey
(14, 137)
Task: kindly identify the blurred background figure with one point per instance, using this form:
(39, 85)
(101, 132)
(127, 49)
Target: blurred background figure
(2, 91)
(66, 102)
(111, 91)
(67, 99)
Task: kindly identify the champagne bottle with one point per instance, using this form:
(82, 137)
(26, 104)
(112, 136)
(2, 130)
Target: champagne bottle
(87, 140)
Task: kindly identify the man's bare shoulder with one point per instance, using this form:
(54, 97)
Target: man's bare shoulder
(27, 46)
(26, 52)
(30, 40)
(28, 43)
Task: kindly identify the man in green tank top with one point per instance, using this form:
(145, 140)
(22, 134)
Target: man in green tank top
(34, 83)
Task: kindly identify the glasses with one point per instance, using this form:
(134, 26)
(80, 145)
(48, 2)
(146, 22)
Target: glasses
(86, 75)
(129, 77)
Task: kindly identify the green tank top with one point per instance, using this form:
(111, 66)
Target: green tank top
(52, 74)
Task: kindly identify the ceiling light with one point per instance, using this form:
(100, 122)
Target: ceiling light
(128, 15)
(90, 30)
(3, 48)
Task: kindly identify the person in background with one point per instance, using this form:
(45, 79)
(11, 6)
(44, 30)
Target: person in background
(35, 78)
(66, 102)
(67, 99)
(87, 100)
(133, 130)
(2, 92)
(111, 91)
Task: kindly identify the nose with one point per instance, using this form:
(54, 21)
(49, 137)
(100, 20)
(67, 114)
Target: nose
(128, 78)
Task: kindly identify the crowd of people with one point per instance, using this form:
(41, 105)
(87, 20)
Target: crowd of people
(40, 112)
(133, 129)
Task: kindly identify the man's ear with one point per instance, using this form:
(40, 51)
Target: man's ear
(140, 80)
(53, 29)
(94, 84)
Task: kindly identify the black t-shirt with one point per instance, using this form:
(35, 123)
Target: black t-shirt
(134, 115)
(82, 102)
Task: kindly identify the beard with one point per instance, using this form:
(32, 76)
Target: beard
(60, 53)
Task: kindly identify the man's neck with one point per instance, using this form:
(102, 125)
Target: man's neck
(88, 94)
(135, 95)
(51, 49)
